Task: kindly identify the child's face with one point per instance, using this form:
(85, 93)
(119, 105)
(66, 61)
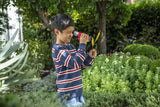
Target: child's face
(65, 36)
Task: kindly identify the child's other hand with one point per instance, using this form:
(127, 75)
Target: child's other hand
(83, 38)
(93, 53)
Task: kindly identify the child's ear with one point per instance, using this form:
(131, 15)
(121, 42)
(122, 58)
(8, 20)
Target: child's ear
(56, 31)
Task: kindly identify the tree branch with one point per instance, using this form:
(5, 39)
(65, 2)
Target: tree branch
(44, 18)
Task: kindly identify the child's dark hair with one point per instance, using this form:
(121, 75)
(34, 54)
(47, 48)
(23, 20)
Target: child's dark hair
(61, 22)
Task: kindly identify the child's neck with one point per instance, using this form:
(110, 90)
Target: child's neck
(61, 43)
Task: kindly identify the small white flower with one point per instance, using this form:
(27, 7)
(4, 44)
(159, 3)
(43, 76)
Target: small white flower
(116, 53)
(121, 57)
(138, 58)
(115, 62)
(128, 53)
(107, 60)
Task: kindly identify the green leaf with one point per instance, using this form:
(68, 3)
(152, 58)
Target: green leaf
(7, 46)
(11, 50)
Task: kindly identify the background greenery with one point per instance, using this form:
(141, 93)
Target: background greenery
(127, 76)
(123, 28)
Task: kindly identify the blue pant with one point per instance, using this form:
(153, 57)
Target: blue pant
(75, 102)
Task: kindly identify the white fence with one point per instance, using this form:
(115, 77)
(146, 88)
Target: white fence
(15, 21)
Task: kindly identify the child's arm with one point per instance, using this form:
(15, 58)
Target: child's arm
(87, 62)
(63, 58)
(89, 59)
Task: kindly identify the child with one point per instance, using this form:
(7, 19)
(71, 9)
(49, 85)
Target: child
(69, 62)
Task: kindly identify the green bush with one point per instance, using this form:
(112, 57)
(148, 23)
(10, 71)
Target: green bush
(39, 99)
(39, 40)
(40, 54)
(104, 75)
(9, 100)
(40, 57)
(47, 84)
(144, 24)
(155, 65)
(146, 50)
(149, 51)
(138, 61)
(131, 48)
(121, 73)
(122, 100)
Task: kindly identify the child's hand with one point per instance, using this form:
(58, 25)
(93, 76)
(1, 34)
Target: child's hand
(93, 53)
(84, 38)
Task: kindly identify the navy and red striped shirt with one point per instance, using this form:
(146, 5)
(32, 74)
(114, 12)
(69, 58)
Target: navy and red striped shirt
(69, 63)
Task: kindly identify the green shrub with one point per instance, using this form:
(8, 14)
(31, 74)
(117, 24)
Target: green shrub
(104, 75)
(155, 64)
(138, 61)
(47, 84)
(144, 23)
(131, 48)
(122, 100)
(39, 99)
(40, 54)
(9, 100)
(149, 51)
(39, 40)
(146, 50)
(121, 74)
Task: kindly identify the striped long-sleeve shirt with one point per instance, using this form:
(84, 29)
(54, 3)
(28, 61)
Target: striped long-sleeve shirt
(69, 63)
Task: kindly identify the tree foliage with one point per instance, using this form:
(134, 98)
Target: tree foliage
(43, 11)
(4, 4)
(3, 22)
(144, 24)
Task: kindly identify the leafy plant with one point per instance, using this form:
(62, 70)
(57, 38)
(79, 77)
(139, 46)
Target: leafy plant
(130, 48)
(155, 65)
(47, 84)
(138, 61)
(40, 57)
(125, 41)
(11, 72)
(121, 73)
(146, 50)
(144, 23)
(39, 99)
(9, 100)
(122, 100)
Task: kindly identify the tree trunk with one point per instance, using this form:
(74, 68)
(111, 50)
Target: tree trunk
(101, 7)
(46, 24)
(44, 18)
